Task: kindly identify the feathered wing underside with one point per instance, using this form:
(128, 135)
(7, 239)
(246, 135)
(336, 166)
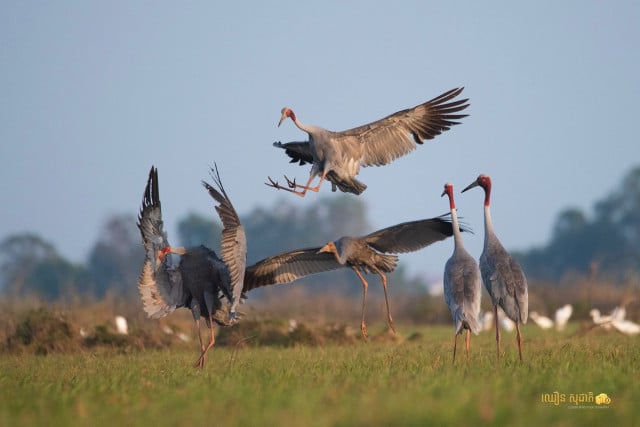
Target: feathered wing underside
(463, 292)
(234, 242)
(159, 285)
(411, 236)
(298, 151)
(289, 266)
(398, 134)
(506, 283)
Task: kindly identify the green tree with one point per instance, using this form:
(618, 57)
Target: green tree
(196, 230)
(32, 265)
(116, 258)
(611, 237)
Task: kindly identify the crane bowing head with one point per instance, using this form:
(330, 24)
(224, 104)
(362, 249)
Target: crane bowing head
(162, 253)
(286, 112)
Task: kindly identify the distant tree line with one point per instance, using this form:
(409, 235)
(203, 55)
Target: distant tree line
(608, 239)
(31, 265)
(606, 242)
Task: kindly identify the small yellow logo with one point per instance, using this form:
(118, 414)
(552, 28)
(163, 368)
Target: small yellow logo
(603, 399)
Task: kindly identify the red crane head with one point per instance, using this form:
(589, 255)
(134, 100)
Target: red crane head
(448, 190)
(482, 181)
(286, 112)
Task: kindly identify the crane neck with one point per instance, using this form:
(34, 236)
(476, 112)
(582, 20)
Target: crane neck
(488, 224)
(457, 236)
(487, 195)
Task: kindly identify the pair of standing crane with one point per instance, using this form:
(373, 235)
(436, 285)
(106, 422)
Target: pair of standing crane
(202, 280)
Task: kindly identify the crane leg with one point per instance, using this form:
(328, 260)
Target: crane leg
(386, 299)
(203, 357)
(467, 341)
(197, 323)
(365, 285)
(519, 338)
(495, 315)
(455, 344)
(293, 185)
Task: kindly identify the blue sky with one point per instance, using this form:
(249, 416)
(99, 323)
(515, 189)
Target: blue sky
(93, 93)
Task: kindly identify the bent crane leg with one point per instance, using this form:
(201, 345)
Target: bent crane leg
(293, 185)
(203, 357)
(197, 323)
(365, 285)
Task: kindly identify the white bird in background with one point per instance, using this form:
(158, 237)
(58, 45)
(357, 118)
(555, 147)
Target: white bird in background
(502, 275)
(504, 321)
(627, 327)
(563, 314)
(462, 283)
(337, 156)
(543, 321)
(619, 313)
(121, 325)
(487, 321)
(615, 319)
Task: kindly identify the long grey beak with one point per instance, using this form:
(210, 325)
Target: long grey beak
(281, 120)
(470, 186)
(443, 193)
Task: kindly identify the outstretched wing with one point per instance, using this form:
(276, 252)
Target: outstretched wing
(299, 151)
(234, 241)
(160, 286)
(397, 134)
(289, 266)
(411, 236)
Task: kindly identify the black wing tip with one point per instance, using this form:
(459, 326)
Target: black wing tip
(446, 218)
(151, 196)
(215, 176)
(448, 95)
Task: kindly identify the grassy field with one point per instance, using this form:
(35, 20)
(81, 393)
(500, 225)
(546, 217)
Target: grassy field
(408, 382)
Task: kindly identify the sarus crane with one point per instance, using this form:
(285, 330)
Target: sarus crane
(462, 288)
(372, 253)
(337, 156)
(201, 280)
(502, 275)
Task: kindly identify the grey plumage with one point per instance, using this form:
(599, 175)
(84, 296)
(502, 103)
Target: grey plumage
(503, 277)
(337, 156)
(201, 280)
(367, 254)
(462, 288)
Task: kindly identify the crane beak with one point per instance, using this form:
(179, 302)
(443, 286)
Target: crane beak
(470, 186)
(329, 247)
(443, 193)
(282, 118)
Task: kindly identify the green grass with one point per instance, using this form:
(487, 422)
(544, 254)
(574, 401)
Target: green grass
(380, 383)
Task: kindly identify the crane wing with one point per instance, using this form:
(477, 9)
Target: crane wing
(159, 285)
(411, 236)
(299, 151)
(234, 241)
(289, 266)
(397, 134)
